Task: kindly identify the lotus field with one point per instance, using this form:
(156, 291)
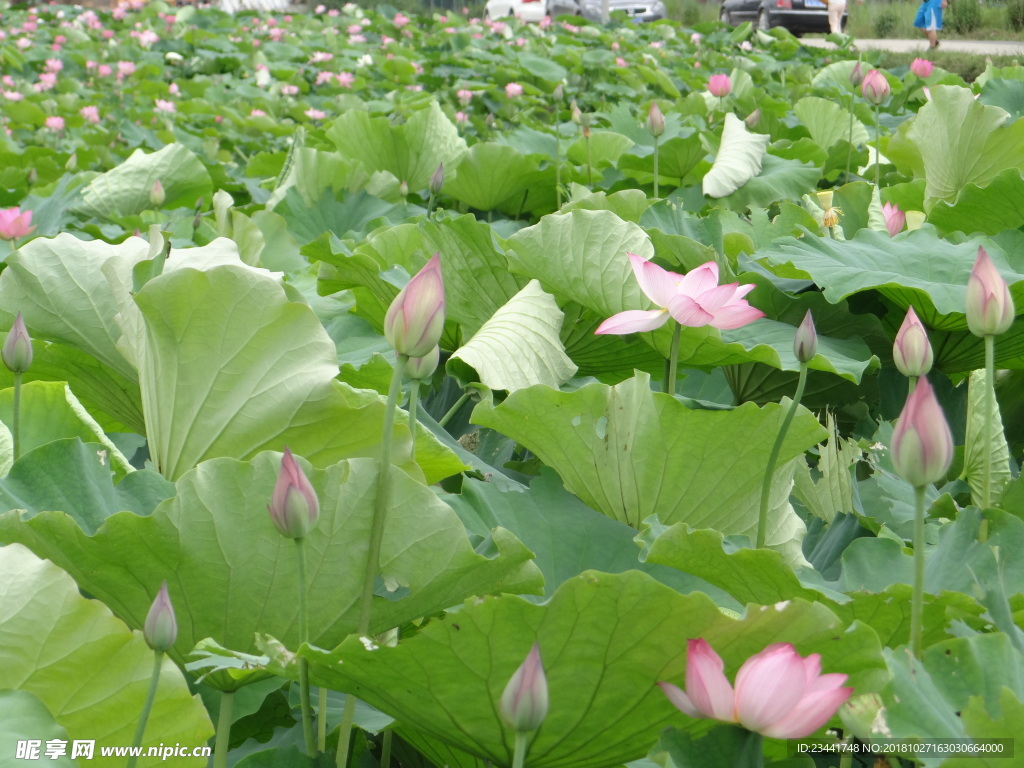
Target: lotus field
(447, 392)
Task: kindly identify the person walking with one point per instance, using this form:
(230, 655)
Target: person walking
(929, 20)
(836, 9)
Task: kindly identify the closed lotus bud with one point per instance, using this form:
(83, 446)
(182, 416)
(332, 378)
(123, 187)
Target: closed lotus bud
(577, 116)
(753, 119)
(17, 348)
(990, 309)
(805, 342)
(420, 368)
(857, 75)
(922, 446)
(912, 353)
(875, 88)
(655, 120)
(403, 189)
(294, 507)
(161, 628)
(415, 319)
(559, 93)
(156, 193)
(524, 704)
(437, 180)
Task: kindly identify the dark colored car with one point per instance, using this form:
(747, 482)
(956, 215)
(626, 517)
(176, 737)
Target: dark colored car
(798, 16)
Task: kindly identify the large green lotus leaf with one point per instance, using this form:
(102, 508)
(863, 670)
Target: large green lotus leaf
(980, 724)
(738, 159)
(963, 142)
(987, 210)
(779, 179)
(59, 287)
(411, 151)
(977, 437)
(90, 671)
(915, 268)
(518, 347)
(581, 256)
(627, 204)
(606, 640)
(827, 122)
(602, 149)
(125, 190)
(75, 478)
(1006, 94)
(676, 157)
(491, 174)
(611, 447)
(23, 715)
(231, 575)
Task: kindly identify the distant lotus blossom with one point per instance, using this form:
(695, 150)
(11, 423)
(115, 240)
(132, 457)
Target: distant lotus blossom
(55, 124)
(545, 22)
(91, 114)
(173, 89)
(13, 95)
(47, 81)
(277, 33)
(922, 68)
(90, 65)
(320, 57)
(333, 12)
(357, 38)
(746, 46)
(615, 46)
(620, 62)
(464, 96)
(104, 70)
(124, 69)
(147, 37)
(499, 27)
(107, 34)
(289, 90)
(520, 41)
(315, 114)
(324, 77)
(450, 30)
(384, 39)
(119, 13)
(416, 87)
(354, 29)
(461, 117)
(257, 113)
(345, 79)
(54, 65)
(513, 89)
(165, 106)
(366, 60)
(400, 20)
(657, 44)
(320, 9)
(24, 43)
(696, 38)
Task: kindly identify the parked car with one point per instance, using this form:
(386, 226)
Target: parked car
(535, 10)
(637, 10)
(527, 10)
(798, 16)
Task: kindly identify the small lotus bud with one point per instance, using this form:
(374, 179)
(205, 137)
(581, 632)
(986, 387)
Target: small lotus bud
(161, 628)
(420, 368)
(559, 93)
(403, 189)
(415, 319)
(294, 507)
(990, 309)
(857, 75)
(17, 348)
(719, 86)
(874, 87)
(72, 164)
(156, 193)
(577, 116)
(524, 704)
(805, 342)
(753, 118)
(894, 219)
(437, 180)
(922, 446)
(912, 353)
(655, 120)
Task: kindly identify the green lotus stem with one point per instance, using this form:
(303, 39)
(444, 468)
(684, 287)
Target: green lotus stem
(590, 169)
(140, 729)
(673, 359)
(430, 205)
(454, 409)
(414, 398)
(917, 597)
(878, 151)
(846, 760)
(773, 458)
(849, 149)
(385, 750)
(220, 745)
(321, 721)
(16, 421)
(307, 713)
(990, 402)
(558, 173)
(519, 753)
(380, 506)
(655, 166)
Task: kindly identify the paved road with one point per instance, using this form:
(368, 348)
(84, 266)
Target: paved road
(980, 47)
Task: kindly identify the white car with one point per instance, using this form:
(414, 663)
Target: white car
(527, 10)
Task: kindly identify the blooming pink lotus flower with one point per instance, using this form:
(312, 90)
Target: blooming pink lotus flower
(874, 87)
(55, 124)
(894, 219)
(294, 507)
(990, 309)
(719, 86)
(513, 89)
(400, 20)
(257, 113)
(524, 702)
(464, 96)
(694, 299)
(922, 68)
(345, 79)
(778, 693)
(315, 114)
(911, 352)
(415, 319)
(162, 105)
(922, 446)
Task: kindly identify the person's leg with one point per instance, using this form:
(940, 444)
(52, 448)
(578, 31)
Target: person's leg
(835, 17)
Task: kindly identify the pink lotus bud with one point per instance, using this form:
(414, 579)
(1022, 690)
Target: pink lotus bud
(403, 188)
(436, 180)
(415, 319)
(576, 114)
(875, 87)
(922, 446)
(161, 628)
(156, 194)
(524, 704)
(17, 348)
(655, 120)
(294, 507)
(420, 368)
(922, 68)
(857, 75)
(894, 219)
(990, 309)
(805, 342)
(719, 86)
(15, 223)
(912, 353)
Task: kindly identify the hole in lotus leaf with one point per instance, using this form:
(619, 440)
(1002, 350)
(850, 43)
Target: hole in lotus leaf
(601, 428)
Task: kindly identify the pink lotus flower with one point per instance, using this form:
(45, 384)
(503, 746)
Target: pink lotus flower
(162, 105)
(294, 507)
(15, 223)
(922, 446)
(894, 219)
(911, 352)
(345, 79)
(161, 628)
(17, 348)
(779, 693)
(55, 124)
(513, 89)
(315, 114)
(104, 70)
(257, 113)
(874, 87)
(400, 20)
(461, 117)
(91, 114)
(990, 309)
(719, 86)
(922, 68)
(415, 319)
(620, 62)
(524, 702)
(464, 96)
(694, 300)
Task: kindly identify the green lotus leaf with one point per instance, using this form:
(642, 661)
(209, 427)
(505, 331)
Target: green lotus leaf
(986, 210)
(23, 714)
(491, 174)
(827, 122)
(738, 160)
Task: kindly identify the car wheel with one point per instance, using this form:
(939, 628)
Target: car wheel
(764, 22)
(724, 17)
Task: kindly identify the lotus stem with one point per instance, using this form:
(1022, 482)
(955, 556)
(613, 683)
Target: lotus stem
(220, 745)
(345, 734)
(430, 205)
(849, 142)
(558, 172)
(656, 166)
(917, 597)
(454, 409)
(773, 458)
(321, 721)
(307, 713)
(590, 168)
(16, 420)
(878, 151)
(990, 403)
(385, 750)
(140, 729)
(414, 397)
(520, 749)
(673, 359)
